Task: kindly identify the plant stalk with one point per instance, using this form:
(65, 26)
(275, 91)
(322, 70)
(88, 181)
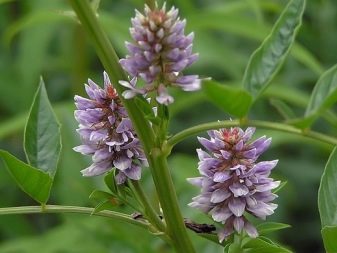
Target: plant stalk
(161, 176)
(73, 209)
(257, 123)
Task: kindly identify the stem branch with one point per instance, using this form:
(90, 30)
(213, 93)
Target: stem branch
(257, 123)
(150, 212)
(73, 209)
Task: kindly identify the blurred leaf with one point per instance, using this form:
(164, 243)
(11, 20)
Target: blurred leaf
(232, 100)
(5, 1)
(284, 110)
(268, 58)
(260, 246)
(267, 227)
(31, 20)
(95, 5)
(329, 235)
(327, 193)
(42, 134)
(324, 94)
(36, 183)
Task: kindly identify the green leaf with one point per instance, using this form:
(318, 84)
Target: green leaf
(100, 195)
(234, 248)
(105, 200)
(268, 58)
(110, 182)
(327, 193)
(267, 227)
(42, 134)
(261, 246)
(104, 205)
(329, 235)
(323, 96)
(284, 110)
(232, 100)
(32, 181)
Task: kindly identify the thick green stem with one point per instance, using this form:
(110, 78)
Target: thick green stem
(169, 202)
(257, 123)
(150, 212)
(160, 174)
(73, 209)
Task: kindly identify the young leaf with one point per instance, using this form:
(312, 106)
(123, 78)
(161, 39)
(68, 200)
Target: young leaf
(110, 182)
(105, 200)
(234, 101)
(261, 246)
(100, 195)
(42, 142)
(267, 227)
(329, 235)
(268, 58)
(327, 193)
(34, 182)
(324, 94)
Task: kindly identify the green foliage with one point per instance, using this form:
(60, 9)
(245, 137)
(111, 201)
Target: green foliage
(268, 58)
(42, 134)
(286, 112)
(327, 193)
(327, 203)
(324, 94)
(329, 234)
(261, 246)
(232, 100)
(36, 183)
(268, 227)
(42, 147)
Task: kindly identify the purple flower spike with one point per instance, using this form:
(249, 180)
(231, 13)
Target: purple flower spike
(232, 182)
(158, 54)
(107, 133)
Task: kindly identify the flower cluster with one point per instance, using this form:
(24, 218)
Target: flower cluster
(232, 182)
(159, 53)
(107, 133)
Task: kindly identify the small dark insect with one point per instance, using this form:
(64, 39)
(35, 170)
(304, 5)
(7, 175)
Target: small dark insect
(199, 228)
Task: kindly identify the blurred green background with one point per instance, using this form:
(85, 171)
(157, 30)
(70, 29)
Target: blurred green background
(41, 37)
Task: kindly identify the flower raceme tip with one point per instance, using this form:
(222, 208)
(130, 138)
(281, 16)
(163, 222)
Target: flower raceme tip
(107, 133)
(158, 54)
(232, 182)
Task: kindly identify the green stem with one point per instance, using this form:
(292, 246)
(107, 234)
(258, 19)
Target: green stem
(161, 176)
(257, 123)
(73, 209)
(169, 202)
(150, 212)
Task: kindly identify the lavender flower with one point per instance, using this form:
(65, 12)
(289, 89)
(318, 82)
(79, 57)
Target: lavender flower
(159, 53)
(107, 133)
(232, 182)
